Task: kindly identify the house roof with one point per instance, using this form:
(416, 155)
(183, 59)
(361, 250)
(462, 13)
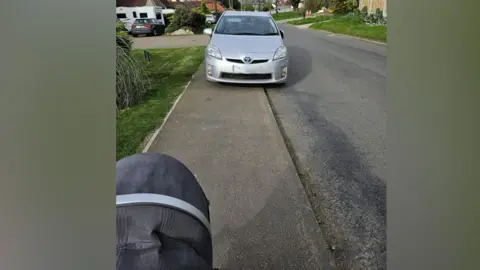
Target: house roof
(131, 3)
(140, 3)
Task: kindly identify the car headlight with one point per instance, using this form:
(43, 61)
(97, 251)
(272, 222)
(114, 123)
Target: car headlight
(280, 53)
(214, 52)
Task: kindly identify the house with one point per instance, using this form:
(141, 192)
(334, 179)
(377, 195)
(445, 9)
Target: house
(129, 10)
(159, 4)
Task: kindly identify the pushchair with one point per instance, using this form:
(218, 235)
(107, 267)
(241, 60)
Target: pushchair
(163, 219)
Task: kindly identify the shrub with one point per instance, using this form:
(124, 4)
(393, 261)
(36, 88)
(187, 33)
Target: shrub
(352, 6)
(249, 7)
(295, 4)
(376, 18)
(132, 83)
(168, 19)
(203, 8)
(353, 18)
(192, 19)
(171, 28)
(364, 10)
(123, 40)
(339, 6)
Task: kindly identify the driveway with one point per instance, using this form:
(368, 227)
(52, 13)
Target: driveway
(160, 42)
(333, 112)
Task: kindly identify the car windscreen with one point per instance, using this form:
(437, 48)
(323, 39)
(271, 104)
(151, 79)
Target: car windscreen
(246, 25)
(144, 21)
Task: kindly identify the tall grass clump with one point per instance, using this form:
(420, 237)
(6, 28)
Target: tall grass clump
(132, 81)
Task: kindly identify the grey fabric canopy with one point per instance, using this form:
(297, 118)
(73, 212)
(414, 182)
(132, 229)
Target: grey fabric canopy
(163, 220)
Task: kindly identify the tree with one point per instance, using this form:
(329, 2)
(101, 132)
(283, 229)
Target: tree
(203, 8)
(248, 7)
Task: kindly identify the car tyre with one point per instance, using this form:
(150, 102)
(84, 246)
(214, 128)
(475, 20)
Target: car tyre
(134, 35)
(154, 32)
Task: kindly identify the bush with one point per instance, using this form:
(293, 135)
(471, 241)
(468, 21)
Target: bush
(339, 6)
(364, 10)
(193, 19)
(203, 8)
(168, 19)
(249, 7)
(124, 41)
(352, 6)
(376, 18)
(132, 83)
(353, 18)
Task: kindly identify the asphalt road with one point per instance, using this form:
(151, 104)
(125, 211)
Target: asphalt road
(333, 112)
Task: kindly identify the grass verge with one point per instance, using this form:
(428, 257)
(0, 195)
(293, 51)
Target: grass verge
(286, 15)
(353, 27)
(310, 20)
(169, 71)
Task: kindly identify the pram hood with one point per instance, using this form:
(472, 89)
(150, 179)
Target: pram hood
(162, 215)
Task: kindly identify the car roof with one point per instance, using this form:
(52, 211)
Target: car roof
(246, 13)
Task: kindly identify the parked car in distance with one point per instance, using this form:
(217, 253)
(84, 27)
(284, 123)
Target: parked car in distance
(211, 18)
(150, 27)
(246, 47)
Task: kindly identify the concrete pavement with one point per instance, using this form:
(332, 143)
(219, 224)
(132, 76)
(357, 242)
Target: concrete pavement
(333, 111)
(261, 218)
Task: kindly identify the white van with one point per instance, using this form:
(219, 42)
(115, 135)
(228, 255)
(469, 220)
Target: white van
(129, 14)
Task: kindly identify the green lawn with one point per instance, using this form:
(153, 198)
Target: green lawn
(310, 20)
(353, 27)
(286, 15)
(169, 71)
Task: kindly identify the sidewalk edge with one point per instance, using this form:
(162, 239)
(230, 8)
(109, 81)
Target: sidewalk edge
(349, 36)
(155, 133)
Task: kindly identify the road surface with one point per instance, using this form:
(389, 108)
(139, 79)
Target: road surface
(333, 113)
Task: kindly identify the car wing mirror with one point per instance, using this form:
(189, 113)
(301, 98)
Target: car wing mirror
(207, 31)
(282, 34)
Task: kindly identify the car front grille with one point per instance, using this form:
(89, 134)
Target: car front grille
(240, 76)
(240, 61)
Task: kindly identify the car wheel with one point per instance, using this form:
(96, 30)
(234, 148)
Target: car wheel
(154, 32)
(134, 35)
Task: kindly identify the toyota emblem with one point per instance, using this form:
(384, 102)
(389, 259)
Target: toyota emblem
(247, 59)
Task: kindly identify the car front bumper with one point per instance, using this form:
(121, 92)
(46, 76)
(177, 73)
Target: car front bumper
(271, 72)
(141, 31)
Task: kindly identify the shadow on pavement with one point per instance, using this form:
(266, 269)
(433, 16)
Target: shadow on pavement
(254, 246)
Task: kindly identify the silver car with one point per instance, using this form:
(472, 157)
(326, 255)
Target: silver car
(246, 47)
